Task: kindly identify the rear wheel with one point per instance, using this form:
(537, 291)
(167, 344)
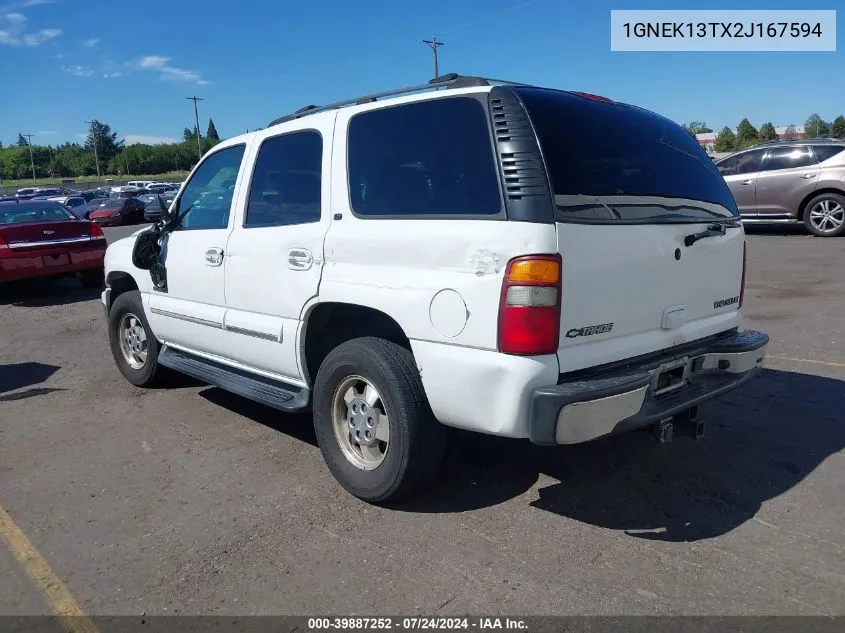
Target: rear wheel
(133, 346)
(825, 215)
(373, 422)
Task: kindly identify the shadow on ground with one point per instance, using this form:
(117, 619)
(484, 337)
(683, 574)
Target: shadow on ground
(15, 376)
(762, 440)
(37, 293)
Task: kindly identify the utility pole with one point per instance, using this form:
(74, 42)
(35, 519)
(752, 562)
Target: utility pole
(197, 119)
(94, 143)
(434, 44)
(31, 160)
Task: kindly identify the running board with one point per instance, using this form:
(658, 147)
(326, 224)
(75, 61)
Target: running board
(272, 393)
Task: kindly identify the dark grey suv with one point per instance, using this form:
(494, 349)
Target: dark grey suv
(789, 182)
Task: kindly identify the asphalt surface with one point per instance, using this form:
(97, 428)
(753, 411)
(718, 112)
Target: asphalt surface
(189, 500)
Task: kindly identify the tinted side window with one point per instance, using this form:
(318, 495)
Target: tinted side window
(427, 158)
(207, 197)
(823, 152)
(788, 157)
(287, 181)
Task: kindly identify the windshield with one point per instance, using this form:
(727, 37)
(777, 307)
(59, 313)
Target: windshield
(614, 163)
(19, 214)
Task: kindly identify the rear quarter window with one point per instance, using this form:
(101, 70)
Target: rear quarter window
(428, 158)
(19, 214)
(824, 152)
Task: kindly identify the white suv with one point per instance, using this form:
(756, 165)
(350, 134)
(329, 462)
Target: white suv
(513, 260)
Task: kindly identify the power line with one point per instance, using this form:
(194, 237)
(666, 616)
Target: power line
(197, 119)
(434, 44)
(94, 143)
(31, 160)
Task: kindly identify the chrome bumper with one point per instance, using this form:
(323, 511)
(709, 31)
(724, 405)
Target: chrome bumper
(615, 401)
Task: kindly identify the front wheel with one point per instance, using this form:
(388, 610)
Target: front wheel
(133, 345)
(825, 215)
(373, 422)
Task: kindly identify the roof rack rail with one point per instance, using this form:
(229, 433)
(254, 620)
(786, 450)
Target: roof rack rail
(450, 80)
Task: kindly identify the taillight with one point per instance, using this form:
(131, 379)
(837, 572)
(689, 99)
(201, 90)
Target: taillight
(742, 284)
(529, 306)
(95, 231)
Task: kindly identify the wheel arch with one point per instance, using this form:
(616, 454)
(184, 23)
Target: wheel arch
(325, 325)
(802, 208)
(119, 282)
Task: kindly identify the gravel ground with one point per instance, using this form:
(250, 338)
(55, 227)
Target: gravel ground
(190, 500)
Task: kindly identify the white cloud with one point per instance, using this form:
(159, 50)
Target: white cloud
(44, 35)
(61, 56)
(113, 75)
(135, 139)
(79, 71)
(14, 32)
(91, 43)
(161, 65)
(35, 3)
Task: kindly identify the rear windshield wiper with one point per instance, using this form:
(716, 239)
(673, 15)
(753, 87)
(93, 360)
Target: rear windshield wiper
(715, 229)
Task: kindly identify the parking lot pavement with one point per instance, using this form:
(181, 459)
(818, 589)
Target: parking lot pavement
(189, 500)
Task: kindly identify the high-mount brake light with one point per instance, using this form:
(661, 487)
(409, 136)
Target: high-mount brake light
(593, 97)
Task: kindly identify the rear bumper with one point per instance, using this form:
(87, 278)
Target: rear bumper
(606, 403)
(51, 262)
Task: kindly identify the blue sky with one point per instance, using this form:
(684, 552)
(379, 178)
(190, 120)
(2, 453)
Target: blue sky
(132, 64)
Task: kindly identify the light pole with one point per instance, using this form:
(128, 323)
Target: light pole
(197, 119)
(434, 44)
(94, 143)
(31, 160)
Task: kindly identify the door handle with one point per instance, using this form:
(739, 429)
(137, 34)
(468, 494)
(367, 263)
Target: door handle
(299, 259)
(747, 182)
(214, 256)
(807, 176)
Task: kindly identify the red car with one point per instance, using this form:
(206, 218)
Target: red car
(42, 238)
(119, 211)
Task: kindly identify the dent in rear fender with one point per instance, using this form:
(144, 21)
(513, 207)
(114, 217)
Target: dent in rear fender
(482, 390)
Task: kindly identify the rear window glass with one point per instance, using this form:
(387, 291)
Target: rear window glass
(823, 152)
(20, 214)
(616, 163)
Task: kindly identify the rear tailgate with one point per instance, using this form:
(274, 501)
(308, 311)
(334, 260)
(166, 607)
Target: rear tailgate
(630, 189)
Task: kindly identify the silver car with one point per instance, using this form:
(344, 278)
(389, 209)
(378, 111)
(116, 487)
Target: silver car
(790, 182)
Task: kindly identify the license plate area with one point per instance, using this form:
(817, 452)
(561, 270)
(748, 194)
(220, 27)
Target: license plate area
(670, 376)
(59, 259)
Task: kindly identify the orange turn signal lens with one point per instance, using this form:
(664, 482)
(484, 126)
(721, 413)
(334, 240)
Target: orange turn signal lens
(540, 271)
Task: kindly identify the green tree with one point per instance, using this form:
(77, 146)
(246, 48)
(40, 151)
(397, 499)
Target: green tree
(189, 135)
(746, 134)
(211, 133)
(767, 132)
(101, 136)
(838, 127)
(696, 127)
(815, 127)
(790, 131)
(22, 142)
(725, 140)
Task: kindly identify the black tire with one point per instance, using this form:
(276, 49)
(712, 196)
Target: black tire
(417, 440)
(834, 201)
(93, 280)
(150, 373)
